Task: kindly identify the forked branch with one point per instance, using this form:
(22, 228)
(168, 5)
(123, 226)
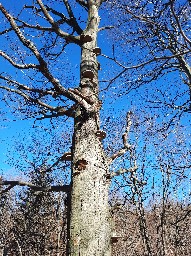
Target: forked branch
(42, 67)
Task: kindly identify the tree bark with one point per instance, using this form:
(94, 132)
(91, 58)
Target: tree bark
(90, 231)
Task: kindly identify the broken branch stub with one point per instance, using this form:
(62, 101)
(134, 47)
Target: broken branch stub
(67, 156)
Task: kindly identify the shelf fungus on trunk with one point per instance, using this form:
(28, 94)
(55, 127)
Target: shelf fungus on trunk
(101, 135)
(97, 51)
(115, 238)
(85, 38)
(88, 74)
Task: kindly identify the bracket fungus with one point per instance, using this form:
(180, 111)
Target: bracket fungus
(85, 38)
(97, 51)
(88, 74)
(101, 135)
(115, 238)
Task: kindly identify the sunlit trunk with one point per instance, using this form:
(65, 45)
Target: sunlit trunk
(89, 216)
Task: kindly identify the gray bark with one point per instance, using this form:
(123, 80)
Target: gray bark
(90, 232)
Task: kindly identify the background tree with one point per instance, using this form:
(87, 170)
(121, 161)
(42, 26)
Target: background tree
(155, 38)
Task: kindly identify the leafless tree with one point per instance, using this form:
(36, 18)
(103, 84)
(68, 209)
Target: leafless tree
(40, 84)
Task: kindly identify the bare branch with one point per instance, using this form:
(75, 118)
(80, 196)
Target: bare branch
(122, 171)
(142, 18)
(71, 22)
(72, 18)
(178, 24)
(29, 98)
(55, 26)
(105, 28)
(24, 87)
(13, 183)
(60, 111)
(37, 27)
(43, 65)
(19, 66)
(9, 30)
(126, 145)
(155, 59)
(75, 91)
(47, 15)
(83, 3)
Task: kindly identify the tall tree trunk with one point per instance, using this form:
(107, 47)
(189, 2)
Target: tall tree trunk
(89, 214)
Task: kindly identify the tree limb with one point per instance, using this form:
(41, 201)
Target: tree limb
(13, 183)
(70, 112)
(72, 18)
(83, 3)
(178, 24)
(24, 87)
(14, 64)
(122, 171)
(43, 65)
(106, 27)
(55, 26)
(126, 145)
(29, 98)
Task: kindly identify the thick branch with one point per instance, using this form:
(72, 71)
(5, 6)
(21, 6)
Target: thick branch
(43, 65)
(75, 91)
(59, 111)
(83, 3)
(13, 183)
(71, 22)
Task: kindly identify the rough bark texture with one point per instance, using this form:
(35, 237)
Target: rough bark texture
(90, 232)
